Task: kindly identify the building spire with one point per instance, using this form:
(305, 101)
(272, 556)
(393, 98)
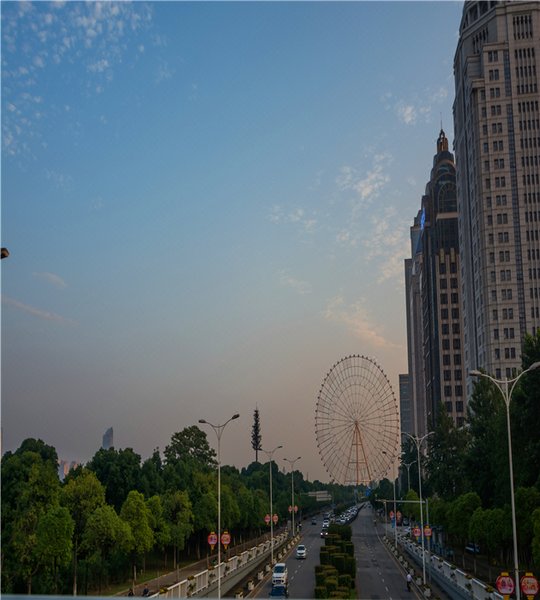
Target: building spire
(442, 142)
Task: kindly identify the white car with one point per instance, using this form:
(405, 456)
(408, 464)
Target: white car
(301, 551)
(280, 576)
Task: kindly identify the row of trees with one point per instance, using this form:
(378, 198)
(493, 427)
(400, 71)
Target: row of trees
(109, 516)
(465, 471)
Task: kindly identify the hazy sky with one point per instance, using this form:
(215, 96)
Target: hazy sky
(207, 205)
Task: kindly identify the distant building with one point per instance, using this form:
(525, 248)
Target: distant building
(108, 441)
(497, 148)
(64, 467)
(434, 317)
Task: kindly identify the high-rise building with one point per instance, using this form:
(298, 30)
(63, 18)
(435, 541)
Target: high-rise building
(497, 149)
(434, 317)
(405, 409)
(108, 441)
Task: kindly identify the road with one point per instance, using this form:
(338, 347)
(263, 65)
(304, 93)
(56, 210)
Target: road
(378, 575)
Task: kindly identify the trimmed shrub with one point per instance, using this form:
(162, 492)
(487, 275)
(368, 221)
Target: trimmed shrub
(324, 557)
(345, 581)
(331, 584)
(338, 560)
(350, 566)
(348, 548)
(320, 592)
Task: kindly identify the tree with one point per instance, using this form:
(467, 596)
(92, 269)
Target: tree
(460, 512)
(525, 417)
(446, 458)
(30, 486)
(158, 522)
(54, 540)
(487, 456)
(178, 512)
(104, 531)
(81, 496)
(152, 475)
(256, 437)
(137, 515)
(119, 471)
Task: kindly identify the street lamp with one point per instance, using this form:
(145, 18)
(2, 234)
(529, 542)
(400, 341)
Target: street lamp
(291, 462)
(395, 509)
(219, 430)
(507, 395)
(270, 454)
(418, 442)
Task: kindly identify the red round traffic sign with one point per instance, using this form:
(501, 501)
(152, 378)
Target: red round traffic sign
(427, 531)
(416, 532)
(290, 508)
(529, 584)
(505, 584)
(212, 539)
(275, 519)
(295, 508)
(267, 519)
(225, 538)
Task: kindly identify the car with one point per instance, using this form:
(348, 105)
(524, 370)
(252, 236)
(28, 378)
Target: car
(314, 521)
(280, 575)
(472, 548)
(301, 551)
(279, 591)
(324, 532)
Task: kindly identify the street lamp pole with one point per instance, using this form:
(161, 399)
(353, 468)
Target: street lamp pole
(270, 454)
(219, 430)
(418, 442)
(409, 465)
(291, 462)
(507, 396)
(395, 508)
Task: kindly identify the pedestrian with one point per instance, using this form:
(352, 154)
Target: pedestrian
(146, 592)
(130, 593)
(409, 581)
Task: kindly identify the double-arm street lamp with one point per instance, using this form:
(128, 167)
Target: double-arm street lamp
(270, 454)
(418, 442)
(291, 462)
(219, 430)
(506, 391)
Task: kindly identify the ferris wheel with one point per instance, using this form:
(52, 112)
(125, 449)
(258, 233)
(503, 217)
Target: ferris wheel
(357, 422)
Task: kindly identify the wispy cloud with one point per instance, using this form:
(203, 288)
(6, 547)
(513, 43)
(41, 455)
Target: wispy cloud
(286, 279)
(358, 320)
(51, 278)
(368, 184)
(296, 216)
(417, 107)
(38, 37)
(36, 312)
(388, 243)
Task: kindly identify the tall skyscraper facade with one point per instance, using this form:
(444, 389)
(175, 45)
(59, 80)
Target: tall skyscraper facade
(497, 149)
(434, 316)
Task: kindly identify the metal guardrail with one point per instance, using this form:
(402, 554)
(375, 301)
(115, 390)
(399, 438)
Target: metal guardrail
(206, 581)
(454, 581)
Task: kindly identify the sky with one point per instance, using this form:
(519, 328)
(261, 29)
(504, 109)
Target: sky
(207, 205)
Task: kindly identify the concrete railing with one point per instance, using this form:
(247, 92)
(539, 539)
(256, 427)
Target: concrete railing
(232, 571)
(447, 576)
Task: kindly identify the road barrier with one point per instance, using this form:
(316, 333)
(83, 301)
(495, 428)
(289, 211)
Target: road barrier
(233, 571)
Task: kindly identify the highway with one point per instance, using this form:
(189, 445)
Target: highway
(378, 575)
